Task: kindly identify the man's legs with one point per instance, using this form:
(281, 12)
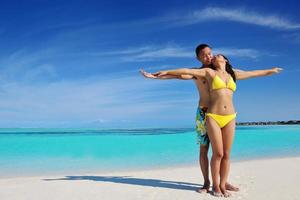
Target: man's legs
(203, 140)
(204, 165)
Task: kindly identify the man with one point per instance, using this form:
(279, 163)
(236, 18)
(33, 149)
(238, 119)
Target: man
(204, 55)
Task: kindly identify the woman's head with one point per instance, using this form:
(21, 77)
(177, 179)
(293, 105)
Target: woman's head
(220, 60)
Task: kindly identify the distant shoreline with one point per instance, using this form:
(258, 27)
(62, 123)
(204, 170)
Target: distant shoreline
(290, 122)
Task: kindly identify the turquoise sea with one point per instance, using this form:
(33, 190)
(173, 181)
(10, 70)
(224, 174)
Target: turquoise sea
(71, 151)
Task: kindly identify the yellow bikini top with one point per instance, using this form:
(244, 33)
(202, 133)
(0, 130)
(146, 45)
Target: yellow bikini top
(218, 83)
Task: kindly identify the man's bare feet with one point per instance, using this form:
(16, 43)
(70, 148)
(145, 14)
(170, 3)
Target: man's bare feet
(205, 188)
(230, 187)
(225, 192)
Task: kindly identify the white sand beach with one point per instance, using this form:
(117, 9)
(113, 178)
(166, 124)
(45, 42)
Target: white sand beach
(258, 179)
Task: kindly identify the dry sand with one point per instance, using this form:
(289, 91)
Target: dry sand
(266, 179)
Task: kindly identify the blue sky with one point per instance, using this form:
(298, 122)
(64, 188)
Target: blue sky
(75, 63)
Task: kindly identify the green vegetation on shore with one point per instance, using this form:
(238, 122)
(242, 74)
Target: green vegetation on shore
(269, 123)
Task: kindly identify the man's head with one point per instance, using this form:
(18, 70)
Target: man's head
(204, 54)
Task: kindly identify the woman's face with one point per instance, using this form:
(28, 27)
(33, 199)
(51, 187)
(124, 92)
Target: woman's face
(218, 59)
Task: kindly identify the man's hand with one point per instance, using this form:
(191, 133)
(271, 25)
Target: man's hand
(161, 73)
(147, 74)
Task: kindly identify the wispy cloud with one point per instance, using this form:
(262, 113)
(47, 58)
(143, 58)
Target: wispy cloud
(243, 15)
(159, 53)
(40, 66)
(148, 53)
(162, 67)
(292, 37)
(43, 72)
(246, 53)
(28, 65)
(94, 101)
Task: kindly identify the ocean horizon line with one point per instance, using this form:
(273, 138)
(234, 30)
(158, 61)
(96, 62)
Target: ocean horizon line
(247, 123)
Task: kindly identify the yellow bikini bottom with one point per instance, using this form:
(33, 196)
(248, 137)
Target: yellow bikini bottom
(222, 120)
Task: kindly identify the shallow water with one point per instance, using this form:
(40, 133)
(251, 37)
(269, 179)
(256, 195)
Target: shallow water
(40, 151)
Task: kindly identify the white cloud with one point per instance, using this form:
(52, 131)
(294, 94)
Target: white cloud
(162, 67)
(246, 53)
(27, 65)
(42, 72)
(129, 51)
(164, 52)
(160, 52)
(96, 101)
(236, 14)
(148, 52)
(292, 37)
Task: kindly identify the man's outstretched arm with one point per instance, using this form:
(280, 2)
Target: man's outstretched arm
(164, 77)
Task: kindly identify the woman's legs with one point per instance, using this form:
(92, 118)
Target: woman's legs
(215, 137)
(227, 139)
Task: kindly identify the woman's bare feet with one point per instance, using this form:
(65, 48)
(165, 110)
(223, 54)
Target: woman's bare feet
(230, 187)
(225, 192)
(205, 188)
(217, 192)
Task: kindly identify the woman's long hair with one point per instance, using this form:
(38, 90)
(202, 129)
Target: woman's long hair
(229, 69)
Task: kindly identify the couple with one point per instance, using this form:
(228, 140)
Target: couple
(215, 120)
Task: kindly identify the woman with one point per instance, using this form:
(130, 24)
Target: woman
(220, 116)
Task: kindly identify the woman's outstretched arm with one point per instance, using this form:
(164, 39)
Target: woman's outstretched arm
(240, 75)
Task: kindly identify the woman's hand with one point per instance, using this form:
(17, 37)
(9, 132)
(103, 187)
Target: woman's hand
(256, 73)
(276, 70)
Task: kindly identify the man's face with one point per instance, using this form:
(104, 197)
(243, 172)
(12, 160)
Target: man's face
(205, 56)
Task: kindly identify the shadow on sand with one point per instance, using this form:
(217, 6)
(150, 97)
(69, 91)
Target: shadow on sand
(134, 181)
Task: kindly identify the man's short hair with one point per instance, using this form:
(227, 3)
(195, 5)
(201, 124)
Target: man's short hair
(200, 47)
